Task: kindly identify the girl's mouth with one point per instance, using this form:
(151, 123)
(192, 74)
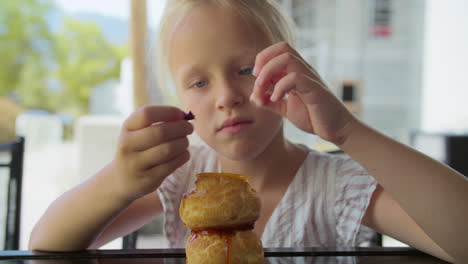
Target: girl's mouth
(234, 125)
(235, 128)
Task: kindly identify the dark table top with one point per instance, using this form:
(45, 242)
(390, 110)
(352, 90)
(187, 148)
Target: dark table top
(176, 256)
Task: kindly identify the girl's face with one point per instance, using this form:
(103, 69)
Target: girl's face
(212, 54)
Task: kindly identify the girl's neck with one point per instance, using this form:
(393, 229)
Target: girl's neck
(277, 164)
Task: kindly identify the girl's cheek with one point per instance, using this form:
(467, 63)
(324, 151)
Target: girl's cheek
(198, 106)
(187, 101)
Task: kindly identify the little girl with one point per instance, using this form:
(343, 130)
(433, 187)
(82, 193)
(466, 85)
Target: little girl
(232, 66)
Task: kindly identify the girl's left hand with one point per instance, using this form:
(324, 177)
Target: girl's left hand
(309, 104)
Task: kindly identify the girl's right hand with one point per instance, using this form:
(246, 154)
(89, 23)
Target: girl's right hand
(153, 143)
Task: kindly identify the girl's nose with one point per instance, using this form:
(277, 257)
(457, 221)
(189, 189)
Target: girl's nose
(229, 96)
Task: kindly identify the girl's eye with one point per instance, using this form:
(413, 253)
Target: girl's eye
(246, 71)
(200, 84)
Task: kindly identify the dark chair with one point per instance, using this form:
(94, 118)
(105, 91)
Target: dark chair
(130, 240)
(13, 209)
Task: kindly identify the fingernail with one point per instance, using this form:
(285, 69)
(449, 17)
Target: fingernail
(258, 81)
(273, 98)
(255, 100)
(255, 71)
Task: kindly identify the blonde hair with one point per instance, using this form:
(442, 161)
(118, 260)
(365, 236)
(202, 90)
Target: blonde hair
(265, 15)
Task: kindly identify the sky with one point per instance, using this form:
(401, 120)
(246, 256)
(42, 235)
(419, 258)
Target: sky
(113, 8)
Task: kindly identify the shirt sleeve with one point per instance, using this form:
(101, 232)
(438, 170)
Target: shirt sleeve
(354, 189)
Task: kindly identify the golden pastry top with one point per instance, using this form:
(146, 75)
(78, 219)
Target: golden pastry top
(220, 201)
(223, 174)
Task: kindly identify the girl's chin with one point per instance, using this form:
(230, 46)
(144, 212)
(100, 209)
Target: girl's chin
(242, 154)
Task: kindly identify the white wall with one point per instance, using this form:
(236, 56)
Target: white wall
(445, 73)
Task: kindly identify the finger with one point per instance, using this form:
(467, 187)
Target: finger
(277, 101)
(269, 53)
(147, 115)
(294, 84)
(279, 107)
(297, 82)
(156, 134)
(261, 95)
(162, 153)
(277, 49)
(170, 166)
(276, 69)
(285, 85)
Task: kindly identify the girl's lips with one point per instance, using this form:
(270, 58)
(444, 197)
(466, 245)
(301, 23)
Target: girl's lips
(235, 128)
(233, 121)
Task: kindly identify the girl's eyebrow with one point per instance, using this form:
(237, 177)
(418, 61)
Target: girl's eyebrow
(241, 55)
(187, 70)
(245, 54)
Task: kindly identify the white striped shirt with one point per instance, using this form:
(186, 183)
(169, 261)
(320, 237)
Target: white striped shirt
(322, 207)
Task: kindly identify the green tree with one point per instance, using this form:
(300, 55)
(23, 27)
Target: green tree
(47, 70)
(24, 38)
(84, 59)
(33, 87)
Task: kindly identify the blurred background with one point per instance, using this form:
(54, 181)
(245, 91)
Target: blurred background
(72, 70)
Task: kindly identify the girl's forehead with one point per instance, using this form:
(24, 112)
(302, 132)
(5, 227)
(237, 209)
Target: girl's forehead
(205, 36)
(212, 23)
